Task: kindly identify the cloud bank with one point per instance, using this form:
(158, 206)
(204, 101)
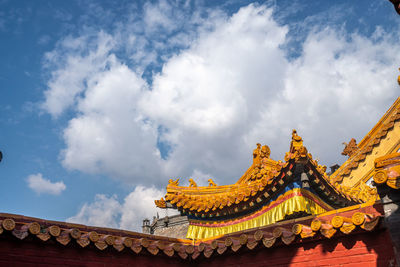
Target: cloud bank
(228, 84)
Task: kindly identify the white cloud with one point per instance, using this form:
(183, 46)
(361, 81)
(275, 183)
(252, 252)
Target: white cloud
(235, 87)
(104, 212)
(232, 87)
(110, 135)
(40, 185)
(209, 96)
(74, 70)
(159, 16)
(109, 212)
(138, 205)
(336, 90)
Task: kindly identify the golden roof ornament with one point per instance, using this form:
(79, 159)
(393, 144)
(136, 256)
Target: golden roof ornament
(257, 155)
(261, 155)
(350, 148)
(174, 183)
(211, 182)
(265, 151)
(161, 203)
(192, 183)
(387, 169)
(297, 141)
(297, 150)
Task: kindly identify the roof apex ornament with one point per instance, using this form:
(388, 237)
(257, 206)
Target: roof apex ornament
(261, 154)
(297, 150)
(297, 141)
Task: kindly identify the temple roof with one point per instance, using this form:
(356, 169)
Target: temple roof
(266, 177)
(261, 183)
(270, 191)
(382, 140)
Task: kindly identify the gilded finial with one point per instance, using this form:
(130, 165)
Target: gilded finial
(295, 136)
(297, 141)
(297, 150)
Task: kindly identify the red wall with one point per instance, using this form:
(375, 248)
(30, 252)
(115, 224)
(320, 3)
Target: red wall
(366, 249)
(14, 252)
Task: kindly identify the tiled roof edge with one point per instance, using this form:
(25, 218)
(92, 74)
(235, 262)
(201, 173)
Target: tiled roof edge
(285, 233)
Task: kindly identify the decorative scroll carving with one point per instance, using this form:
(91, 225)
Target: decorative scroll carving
(350, 148)
(362, 192)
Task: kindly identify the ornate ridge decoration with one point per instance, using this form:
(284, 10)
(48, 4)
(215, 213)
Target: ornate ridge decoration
(14, 226)
(361, 192)
(297, 150)
(211, 182)
(373, 140)
(350, 148)
(161, 203)
(192, 183)
(387, 170)
(262, 181)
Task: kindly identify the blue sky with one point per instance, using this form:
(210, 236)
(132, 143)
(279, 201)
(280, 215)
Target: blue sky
(103, 101)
